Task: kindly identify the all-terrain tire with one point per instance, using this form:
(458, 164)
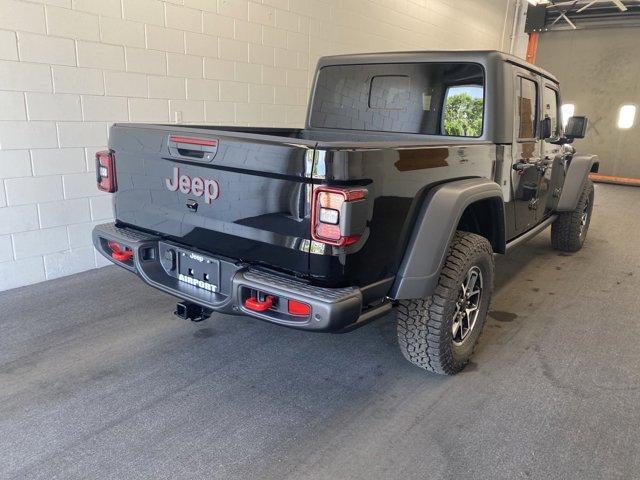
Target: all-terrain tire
(569, 231)
(424, 326)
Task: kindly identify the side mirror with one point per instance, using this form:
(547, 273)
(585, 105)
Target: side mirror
(545, 127)
(576, 127)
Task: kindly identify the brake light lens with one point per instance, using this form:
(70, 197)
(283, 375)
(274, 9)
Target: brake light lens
(325, 214)
(106, 171)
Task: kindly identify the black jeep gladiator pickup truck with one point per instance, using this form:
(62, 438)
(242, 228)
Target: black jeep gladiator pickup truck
(413, 170)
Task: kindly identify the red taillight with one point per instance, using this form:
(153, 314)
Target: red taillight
(298, 308)
(106, 171)
(120, 252)
(325, 214)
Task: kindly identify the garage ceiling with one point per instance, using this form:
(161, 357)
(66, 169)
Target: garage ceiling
(582, 14)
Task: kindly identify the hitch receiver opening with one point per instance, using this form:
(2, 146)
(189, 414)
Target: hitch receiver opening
(191, 311)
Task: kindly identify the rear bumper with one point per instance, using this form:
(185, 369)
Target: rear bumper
(332, 309)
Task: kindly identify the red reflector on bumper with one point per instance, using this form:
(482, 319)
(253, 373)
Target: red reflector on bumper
(252, 303)
(298, 308)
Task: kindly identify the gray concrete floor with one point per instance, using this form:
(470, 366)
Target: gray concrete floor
(99, 380)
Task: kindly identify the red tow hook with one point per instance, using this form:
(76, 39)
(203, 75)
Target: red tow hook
(252, 303)
(120, 252)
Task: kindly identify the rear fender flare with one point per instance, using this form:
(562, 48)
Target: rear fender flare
(433, 231)
(574, 179)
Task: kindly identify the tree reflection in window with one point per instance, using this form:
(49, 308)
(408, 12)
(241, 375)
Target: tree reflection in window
(462, 112)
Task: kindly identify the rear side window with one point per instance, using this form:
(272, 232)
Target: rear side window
(426, 98)
(550, 109)
(527, 108)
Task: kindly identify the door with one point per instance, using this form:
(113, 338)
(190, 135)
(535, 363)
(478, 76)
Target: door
(526, 167)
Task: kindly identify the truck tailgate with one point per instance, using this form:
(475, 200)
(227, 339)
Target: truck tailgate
(231, 193)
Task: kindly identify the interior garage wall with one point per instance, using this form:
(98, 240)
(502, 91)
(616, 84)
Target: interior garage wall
(599, 71)
(70, 68)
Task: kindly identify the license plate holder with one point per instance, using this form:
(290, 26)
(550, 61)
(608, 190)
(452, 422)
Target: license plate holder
(197, 269)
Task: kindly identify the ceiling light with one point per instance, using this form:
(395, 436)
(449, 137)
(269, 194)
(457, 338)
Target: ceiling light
(626, 116)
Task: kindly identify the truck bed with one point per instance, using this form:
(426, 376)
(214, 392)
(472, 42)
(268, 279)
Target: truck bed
(264, 180)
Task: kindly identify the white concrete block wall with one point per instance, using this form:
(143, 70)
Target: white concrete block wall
(70, 68)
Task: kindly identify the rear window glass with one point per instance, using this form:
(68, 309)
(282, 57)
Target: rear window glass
(427, 98)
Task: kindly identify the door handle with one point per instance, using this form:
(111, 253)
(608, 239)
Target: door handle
(522, 165)
(545, 163)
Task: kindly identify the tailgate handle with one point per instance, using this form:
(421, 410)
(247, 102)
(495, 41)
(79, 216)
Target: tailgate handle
(192, 147)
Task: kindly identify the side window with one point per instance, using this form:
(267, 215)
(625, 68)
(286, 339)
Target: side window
(550, 109)
(462, 111)
(527, 108)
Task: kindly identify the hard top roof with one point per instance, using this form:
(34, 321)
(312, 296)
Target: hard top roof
(481, 56)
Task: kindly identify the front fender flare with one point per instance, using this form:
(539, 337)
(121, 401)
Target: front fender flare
(433, 231)
(577, 174)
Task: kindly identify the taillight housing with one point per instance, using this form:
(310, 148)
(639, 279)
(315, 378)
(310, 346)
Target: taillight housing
(327, 224)
(106, 171)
